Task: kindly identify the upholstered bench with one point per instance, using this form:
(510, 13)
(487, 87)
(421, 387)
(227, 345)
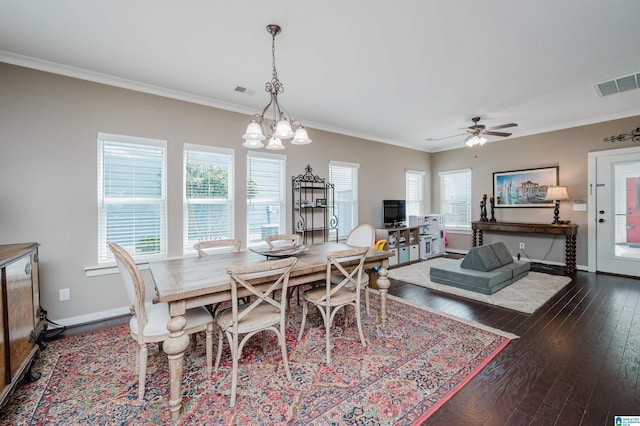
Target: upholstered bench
(485, 269)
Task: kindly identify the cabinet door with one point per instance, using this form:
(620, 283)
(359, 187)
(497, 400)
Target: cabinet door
(4, 380)
(19, 311)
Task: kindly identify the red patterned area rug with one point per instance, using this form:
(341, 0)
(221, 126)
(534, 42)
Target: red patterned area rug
(408, 370)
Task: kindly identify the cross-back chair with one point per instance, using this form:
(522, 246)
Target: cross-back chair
(148, 323)
(266, 312)
(228, 244)
(332, 297)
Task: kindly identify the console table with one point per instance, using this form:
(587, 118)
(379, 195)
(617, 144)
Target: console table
(568, 230)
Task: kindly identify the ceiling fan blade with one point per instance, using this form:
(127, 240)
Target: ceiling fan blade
(503, 126)
(477, 127)
(490, 133)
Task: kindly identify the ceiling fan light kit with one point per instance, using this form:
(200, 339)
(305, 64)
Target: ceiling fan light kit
(274, 123)
(477, 130)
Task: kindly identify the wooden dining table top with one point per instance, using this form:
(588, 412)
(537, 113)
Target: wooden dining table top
(190, 277)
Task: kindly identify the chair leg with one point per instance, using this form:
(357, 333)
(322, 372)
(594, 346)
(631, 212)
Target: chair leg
(327, 331)
(233, 344)
(142, 369)
(209, 347)
(305, 307)
(219, 354)
(357, 310)
(283, 349)
(366, 299)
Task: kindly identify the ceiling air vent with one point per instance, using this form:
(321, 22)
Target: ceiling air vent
(617, 85)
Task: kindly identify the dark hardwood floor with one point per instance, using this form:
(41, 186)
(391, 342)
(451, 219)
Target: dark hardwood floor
(576, 361)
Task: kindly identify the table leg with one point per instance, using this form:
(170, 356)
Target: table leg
(383, 284)
(175, 346)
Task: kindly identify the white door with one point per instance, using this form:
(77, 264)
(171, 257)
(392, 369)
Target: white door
(618, 212)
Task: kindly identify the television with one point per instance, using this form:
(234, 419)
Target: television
(394, 213)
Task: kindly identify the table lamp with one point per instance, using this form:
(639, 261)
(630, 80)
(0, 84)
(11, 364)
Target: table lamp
(556, 194)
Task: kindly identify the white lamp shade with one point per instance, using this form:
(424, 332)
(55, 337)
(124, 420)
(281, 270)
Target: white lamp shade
(557, 193)
(275, 143)
(253, 133)
(301, 137)
(283, 130)
(482, 141)
(252, 144)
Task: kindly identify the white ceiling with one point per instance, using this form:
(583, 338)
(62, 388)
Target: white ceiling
(398, 72)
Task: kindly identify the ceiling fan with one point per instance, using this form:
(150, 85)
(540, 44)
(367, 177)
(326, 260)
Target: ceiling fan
(480, 129)
(476, 130)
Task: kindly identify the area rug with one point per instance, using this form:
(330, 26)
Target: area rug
(525, 295)
(408, 369)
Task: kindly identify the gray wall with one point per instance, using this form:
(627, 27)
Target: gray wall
(48, 130)
(567, 149)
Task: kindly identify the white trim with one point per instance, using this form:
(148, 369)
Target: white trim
(592, 158)
(261, 154)
(343, 164)
(208, 148)
(92, 317)
(415, 172)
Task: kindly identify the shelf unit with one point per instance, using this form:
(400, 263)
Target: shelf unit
(404, 242)
(313, 211)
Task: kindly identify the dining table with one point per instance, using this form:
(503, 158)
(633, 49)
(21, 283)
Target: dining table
(191, 281)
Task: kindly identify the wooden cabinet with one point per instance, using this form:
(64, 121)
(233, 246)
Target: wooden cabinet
(403, 242)
(20, 323)
(313, 210)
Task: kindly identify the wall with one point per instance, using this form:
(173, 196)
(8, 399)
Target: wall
(48, 129)
(567, 149)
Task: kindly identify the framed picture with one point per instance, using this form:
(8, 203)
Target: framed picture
(524, 188)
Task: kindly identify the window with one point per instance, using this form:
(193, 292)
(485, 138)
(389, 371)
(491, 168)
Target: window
(208, 204)
(132, 196)
(455, 198)
(415, 193)
(266, 212)
(344, 177)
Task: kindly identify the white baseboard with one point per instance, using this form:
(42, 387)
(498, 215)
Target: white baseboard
(92, 317)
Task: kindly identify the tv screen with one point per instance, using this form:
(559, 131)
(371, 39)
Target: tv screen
(394, 212)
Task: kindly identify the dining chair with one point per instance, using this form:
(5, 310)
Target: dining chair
(266, 312)
(332, 297)
(283, 240)
(228, 244)
(148, 323)
(363, 235)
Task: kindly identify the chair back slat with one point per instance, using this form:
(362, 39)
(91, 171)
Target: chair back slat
(349, 265)
(229, 244)
(283, 240)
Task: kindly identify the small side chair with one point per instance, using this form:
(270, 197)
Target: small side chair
(329, 299)
(265, 313)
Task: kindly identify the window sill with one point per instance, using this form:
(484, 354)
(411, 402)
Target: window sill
(463, 231)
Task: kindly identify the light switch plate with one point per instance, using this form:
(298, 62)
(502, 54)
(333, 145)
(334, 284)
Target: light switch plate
(579, 207)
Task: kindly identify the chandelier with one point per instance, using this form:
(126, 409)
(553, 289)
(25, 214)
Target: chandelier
(274, 123)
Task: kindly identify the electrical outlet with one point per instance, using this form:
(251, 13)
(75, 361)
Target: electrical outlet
(521, 246)
(64, 294)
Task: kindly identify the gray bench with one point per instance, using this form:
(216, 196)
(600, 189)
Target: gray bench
(485, 269)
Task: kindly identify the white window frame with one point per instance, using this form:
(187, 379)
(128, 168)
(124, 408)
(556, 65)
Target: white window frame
(461, 196)
(415, 192)
(340, 201)
(253, 240)
(210, 154)
(131, 143)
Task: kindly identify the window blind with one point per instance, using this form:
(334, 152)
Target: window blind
(208, 204)
(344, 177)
(455, 198)
(266, 196)
(415, 192)
(132, 197)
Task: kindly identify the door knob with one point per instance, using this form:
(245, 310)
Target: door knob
(601, 212)
(601, 220)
